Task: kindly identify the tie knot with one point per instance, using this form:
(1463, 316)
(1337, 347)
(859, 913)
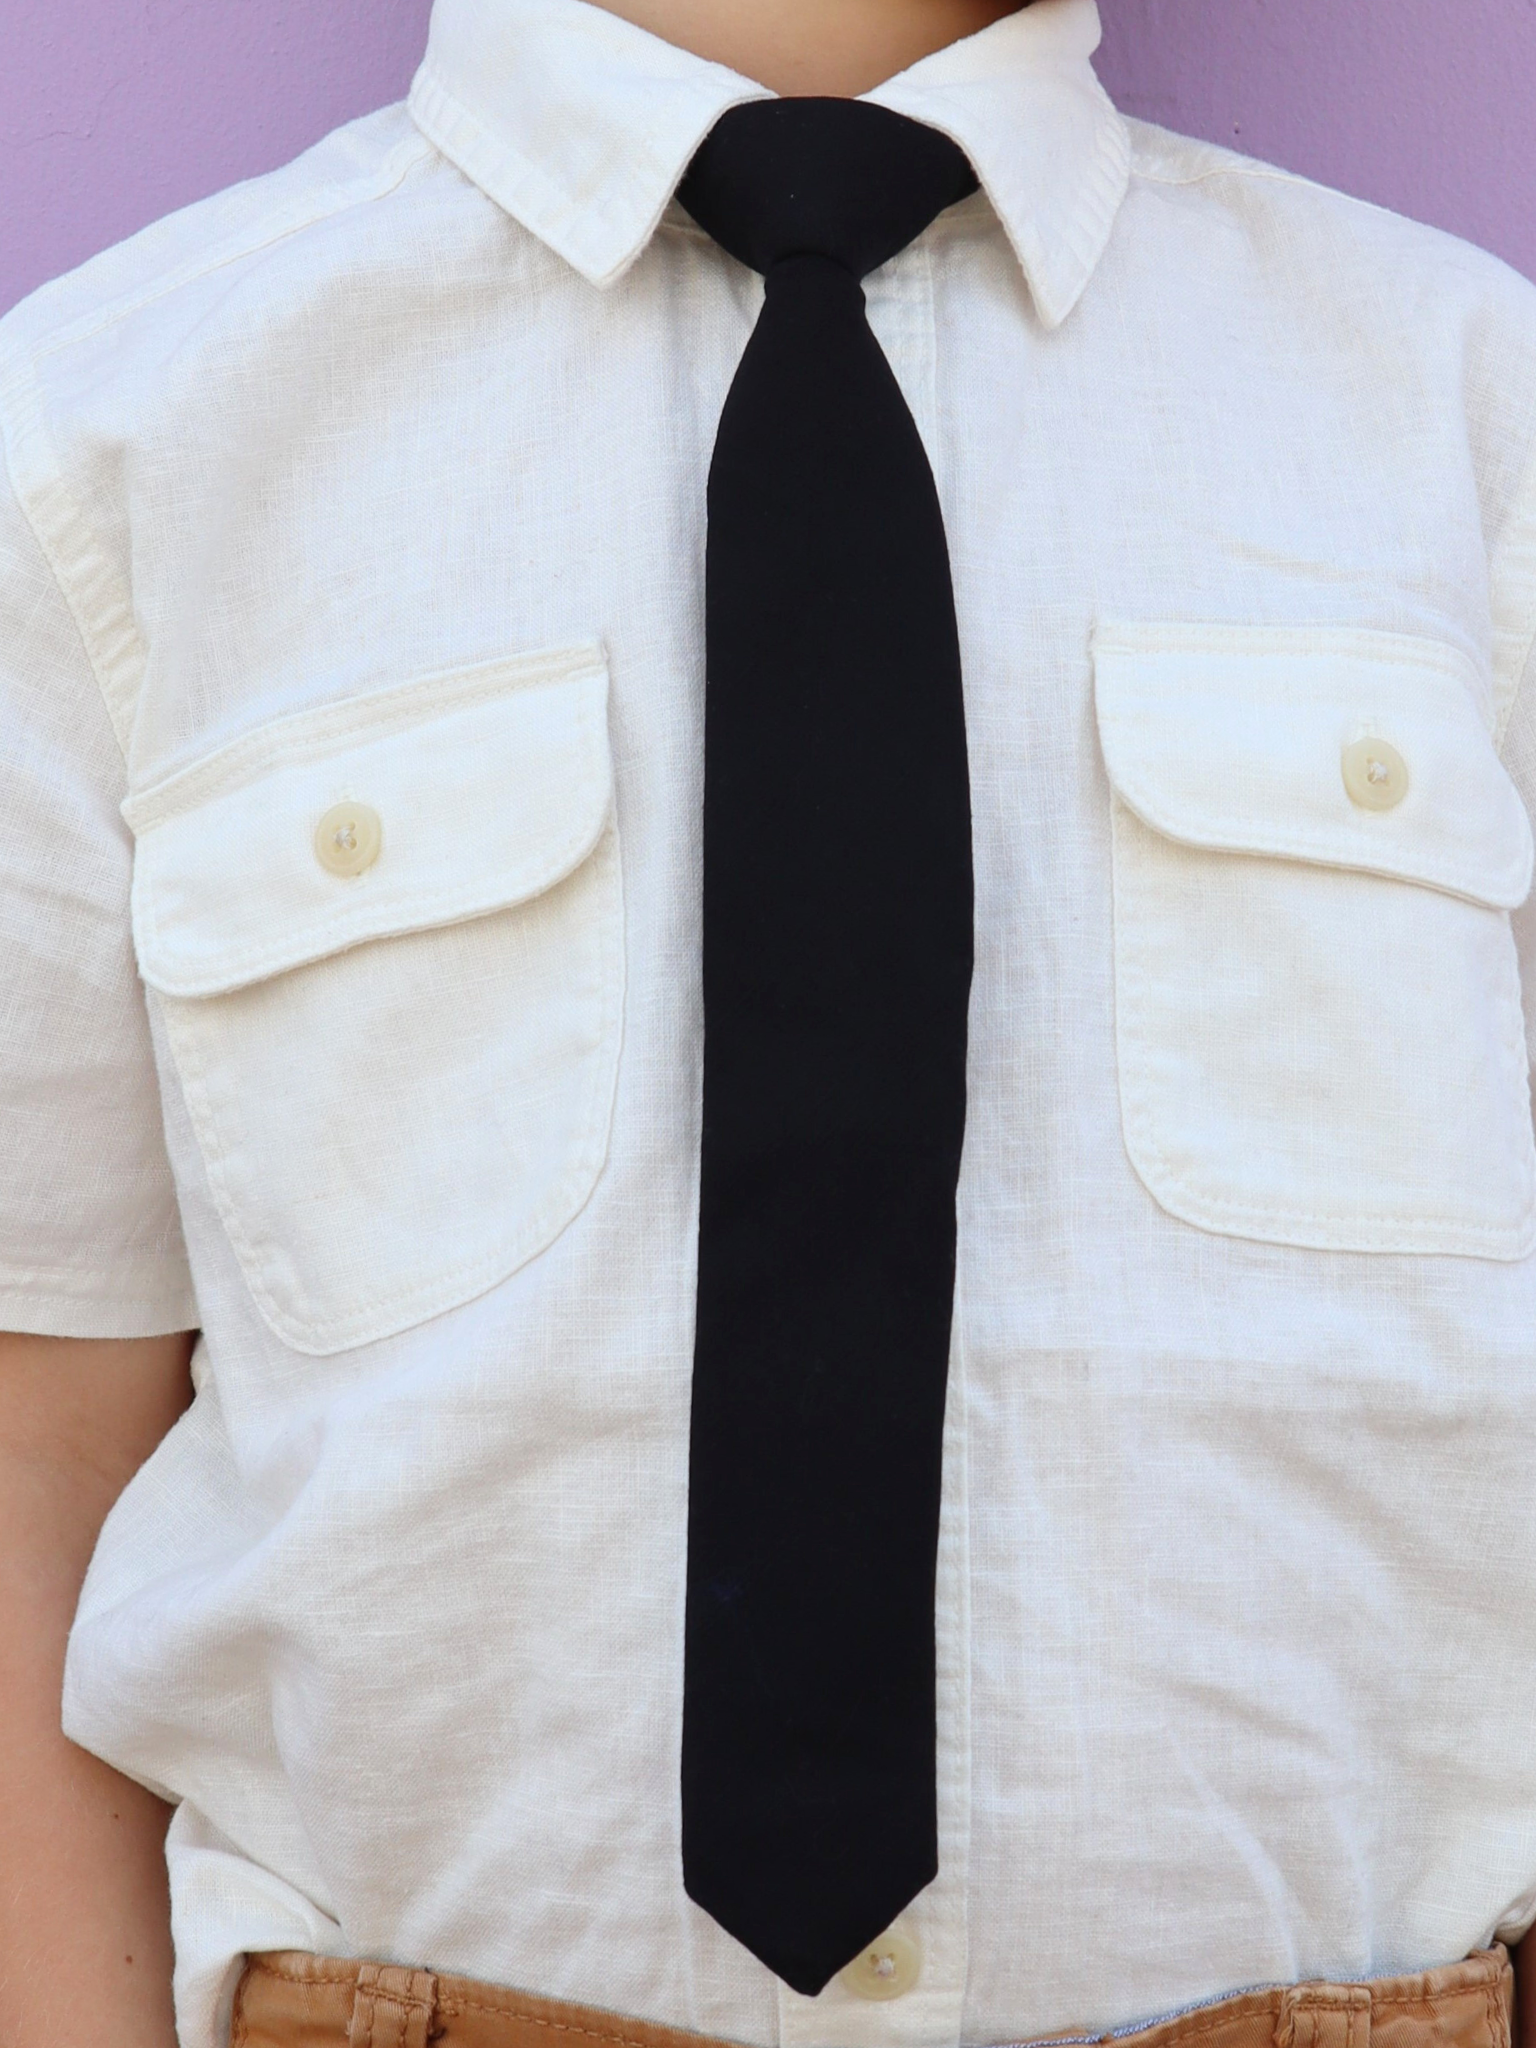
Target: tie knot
(823, 177)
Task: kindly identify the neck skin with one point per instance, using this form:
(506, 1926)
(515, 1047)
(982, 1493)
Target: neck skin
(832, 48)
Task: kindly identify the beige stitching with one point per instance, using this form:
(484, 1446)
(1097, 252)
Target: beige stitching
(539, 1228)
(384, 2006)
(1197, 2029)
(1238, 169)
(452, 2006)
(331, 1970)
(380, 712)
(1480, 1975)
(267, 231)
(1184, 636)
(403, 909)
(1498, 2012)
(1513, 613)
(90, 585)
(111, 620)
(1334, 845)
(1141, 1122)
(338, 930)
(1255, 172)
(1433, 2006)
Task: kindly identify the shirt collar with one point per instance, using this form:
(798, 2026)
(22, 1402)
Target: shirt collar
(580, 126)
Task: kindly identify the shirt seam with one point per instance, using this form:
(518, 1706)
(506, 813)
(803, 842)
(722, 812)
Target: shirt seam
(21, 384)
(1520, 528)
(1515, 550)
(22, 1279)
(113, 1313)
(266, 232)
(1269, 173)
(108, 630)
(1254, 171)
(50, 559)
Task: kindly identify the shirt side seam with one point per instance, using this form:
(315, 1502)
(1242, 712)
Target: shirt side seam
(1512, 599)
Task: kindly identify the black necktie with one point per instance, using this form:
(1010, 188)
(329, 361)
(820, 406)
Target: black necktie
(837, 971)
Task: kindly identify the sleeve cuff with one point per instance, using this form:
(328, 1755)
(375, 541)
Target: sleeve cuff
(157, 1302)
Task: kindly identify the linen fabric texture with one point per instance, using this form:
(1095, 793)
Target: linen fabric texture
(837, 952)
(381, 481)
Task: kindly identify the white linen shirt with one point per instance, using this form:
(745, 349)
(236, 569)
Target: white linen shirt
(380, 482)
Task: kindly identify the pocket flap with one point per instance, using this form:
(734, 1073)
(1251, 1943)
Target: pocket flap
(490, 785)
(1235, 738)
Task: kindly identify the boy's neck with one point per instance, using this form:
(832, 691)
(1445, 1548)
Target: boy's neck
(839, 48)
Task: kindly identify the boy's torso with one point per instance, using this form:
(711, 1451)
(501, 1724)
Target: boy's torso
(407, 512)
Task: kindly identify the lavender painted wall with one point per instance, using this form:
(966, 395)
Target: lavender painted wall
(115, 111)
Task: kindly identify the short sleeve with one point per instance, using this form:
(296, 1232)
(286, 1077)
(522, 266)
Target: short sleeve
(90, 1239)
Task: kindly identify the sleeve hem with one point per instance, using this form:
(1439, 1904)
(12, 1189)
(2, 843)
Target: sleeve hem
(102, 1307)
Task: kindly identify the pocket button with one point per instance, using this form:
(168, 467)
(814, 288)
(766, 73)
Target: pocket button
(1375, 774)
(886, 1969)
(348, 839)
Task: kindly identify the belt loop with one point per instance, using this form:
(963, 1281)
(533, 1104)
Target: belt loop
(392, 2007)
(1324, 2016)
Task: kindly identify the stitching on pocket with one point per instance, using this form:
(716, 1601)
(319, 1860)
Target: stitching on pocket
(1347, 841)
(367, 714)
(388, 1311)
(1385, 650)
(1325, 1230)
(408, 909)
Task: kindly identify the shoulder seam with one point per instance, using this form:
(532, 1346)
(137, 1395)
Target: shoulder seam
(96, 590)
(46, 532)
(264, 233)
(1254, 171)
(1273, 172)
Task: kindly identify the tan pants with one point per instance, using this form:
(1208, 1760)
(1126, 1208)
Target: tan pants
(304, 2001)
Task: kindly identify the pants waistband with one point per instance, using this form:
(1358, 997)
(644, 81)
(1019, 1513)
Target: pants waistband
(293, 2000)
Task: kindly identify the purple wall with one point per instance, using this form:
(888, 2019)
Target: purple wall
(115, 111)
(1426, 106)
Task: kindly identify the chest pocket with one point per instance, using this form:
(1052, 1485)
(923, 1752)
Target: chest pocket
(1318, 1017)
(387, 940)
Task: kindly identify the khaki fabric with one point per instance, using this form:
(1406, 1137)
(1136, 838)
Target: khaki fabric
(288, 2000)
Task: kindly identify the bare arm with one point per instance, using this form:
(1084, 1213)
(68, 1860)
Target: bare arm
(85, 1948)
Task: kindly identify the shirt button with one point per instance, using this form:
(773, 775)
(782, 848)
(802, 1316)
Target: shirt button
(348, 839)
(1375, 775)
(886, 1969)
